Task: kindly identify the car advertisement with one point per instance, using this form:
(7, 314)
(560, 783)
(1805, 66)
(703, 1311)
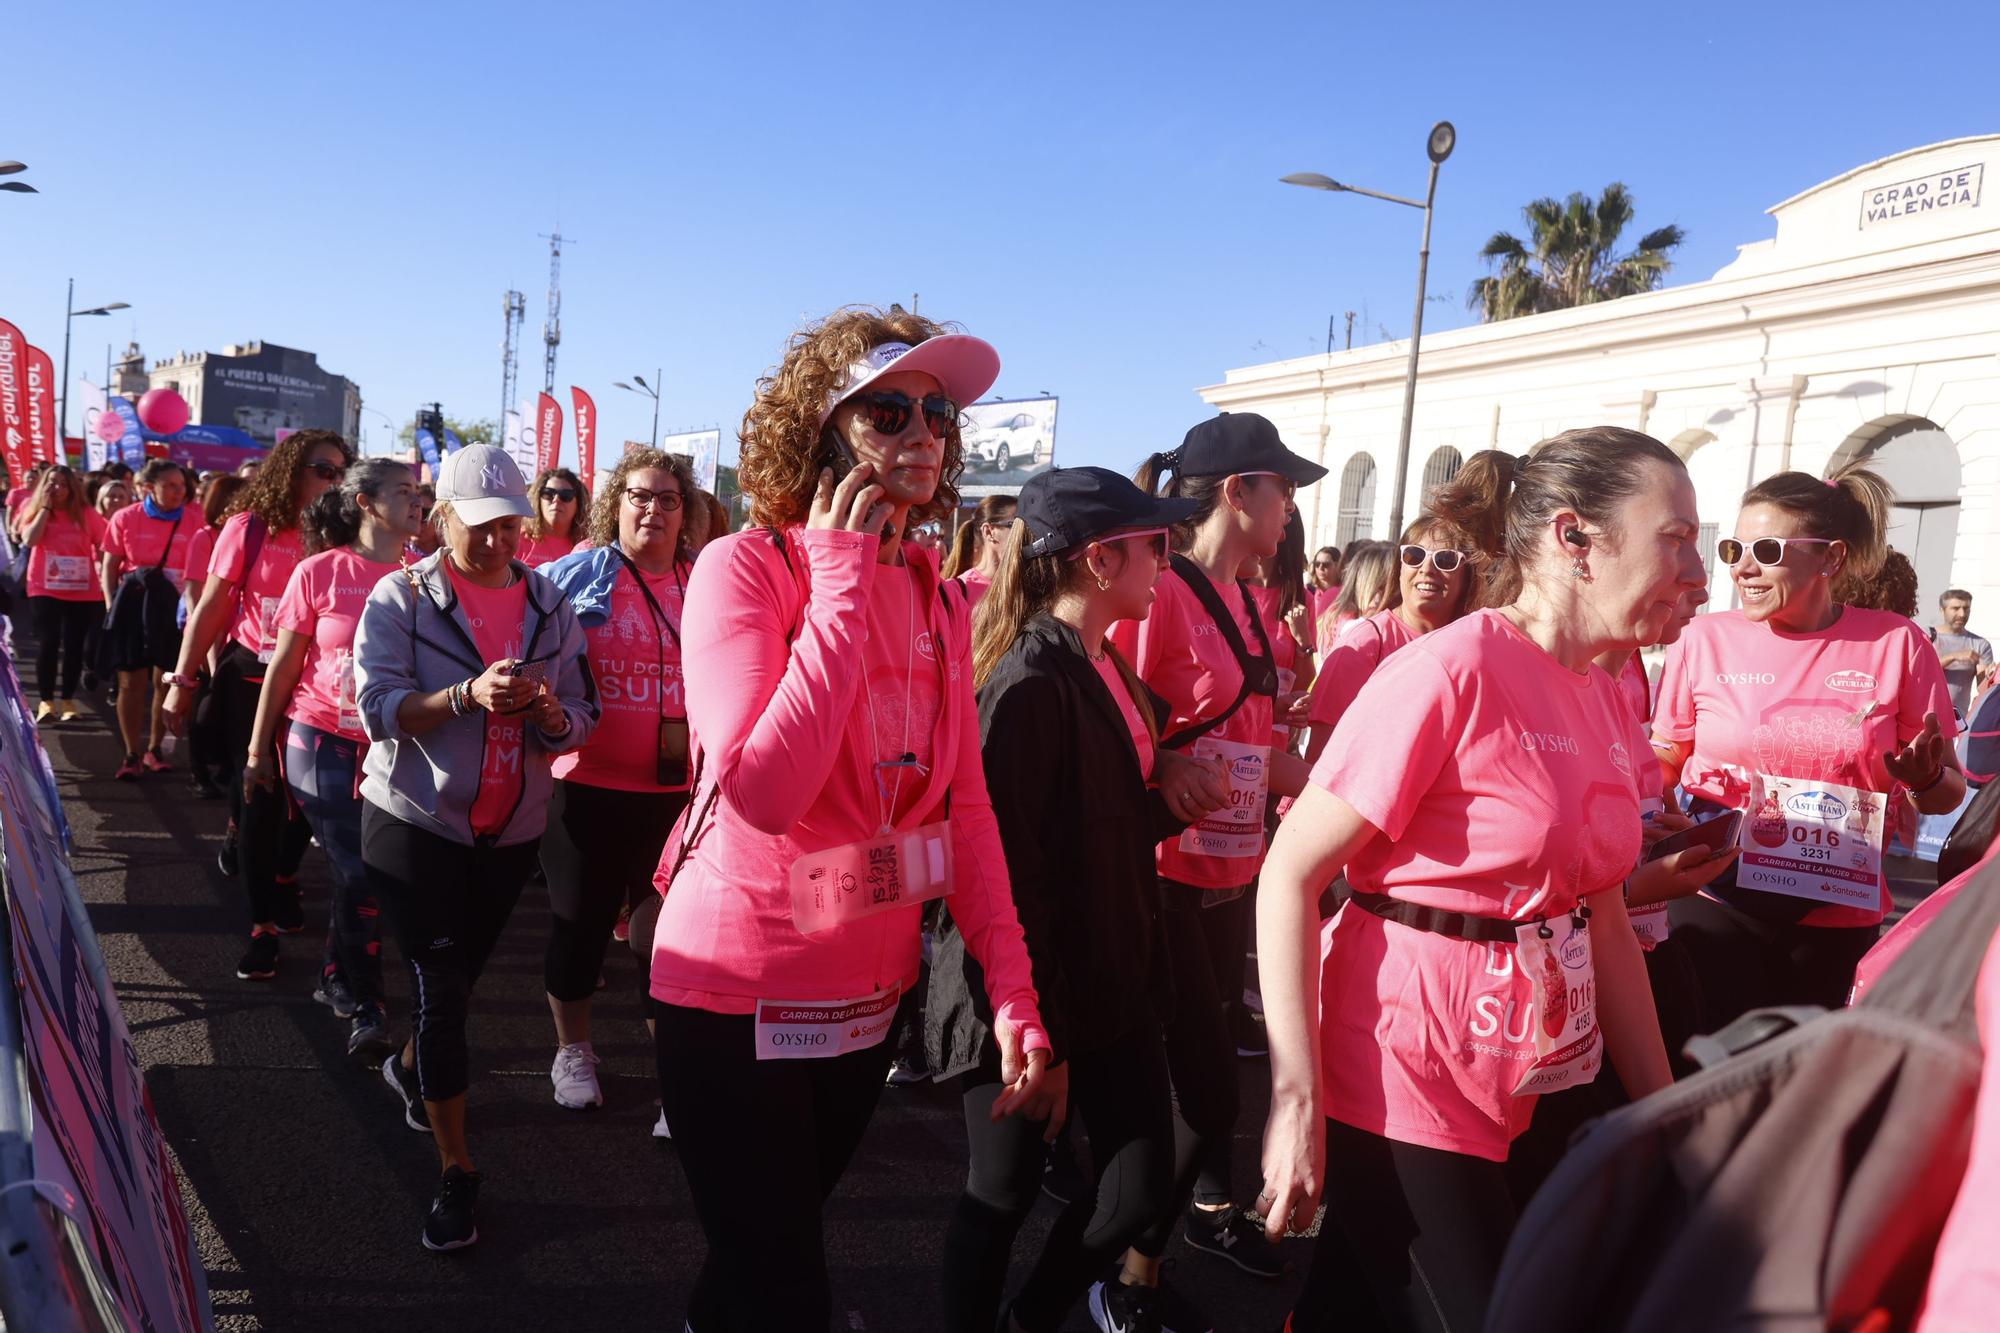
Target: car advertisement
(1006, 443)
(703, 451)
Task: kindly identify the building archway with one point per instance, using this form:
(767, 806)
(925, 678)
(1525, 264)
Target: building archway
(1355, 518)
(1921, 463)
(1439, 468)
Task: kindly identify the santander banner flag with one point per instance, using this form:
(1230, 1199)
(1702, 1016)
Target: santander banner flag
(548, 433)
(43, 444)
(14, 402)
(586, 433)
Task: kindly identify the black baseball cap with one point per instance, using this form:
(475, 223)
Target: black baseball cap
(1070, 507)
(1235, 442)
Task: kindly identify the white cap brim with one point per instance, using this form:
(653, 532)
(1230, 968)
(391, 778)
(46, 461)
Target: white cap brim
(965, 367)
(472, 513)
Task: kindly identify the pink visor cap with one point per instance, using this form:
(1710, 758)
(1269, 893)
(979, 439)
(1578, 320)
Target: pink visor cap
(964, 365)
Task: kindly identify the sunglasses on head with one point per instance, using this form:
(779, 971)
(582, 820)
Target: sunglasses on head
(1764, 550)
(1155, 539)
(561, 495)
(639, 498)
(887, 411)
(1444, 559)
(327, 471)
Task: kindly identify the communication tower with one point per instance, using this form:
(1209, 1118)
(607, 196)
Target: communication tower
(510, 353)
(552, 326)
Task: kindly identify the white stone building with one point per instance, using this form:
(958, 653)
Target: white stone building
(1869, 326)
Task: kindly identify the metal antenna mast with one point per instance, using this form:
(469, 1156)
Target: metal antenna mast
(510, 353)
(552, 326)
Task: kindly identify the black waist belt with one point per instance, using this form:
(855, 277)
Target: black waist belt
(1437, 921)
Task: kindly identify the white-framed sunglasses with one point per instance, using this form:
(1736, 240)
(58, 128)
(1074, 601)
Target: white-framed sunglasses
(1444, 559)
(1764, 550)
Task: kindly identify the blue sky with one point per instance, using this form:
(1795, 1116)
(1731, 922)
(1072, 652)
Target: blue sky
(1093, 187)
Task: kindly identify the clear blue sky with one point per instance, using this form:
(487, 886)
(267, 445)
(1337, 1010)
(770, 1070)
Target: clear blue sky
(1093, 187)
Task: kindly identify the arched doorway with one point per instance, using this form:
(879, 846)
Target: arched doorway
(1921, 463)
(1440, 468)
(1356, 517)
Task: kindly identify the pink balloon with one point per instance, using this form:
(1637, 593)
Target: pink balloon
(110, 426)
(163, 411)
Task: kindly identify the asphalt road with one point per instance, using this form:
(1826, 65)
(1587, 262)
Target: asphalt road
(307, 1192)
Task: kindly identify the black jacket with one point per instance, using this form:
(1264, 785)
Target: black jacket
(1079, 825)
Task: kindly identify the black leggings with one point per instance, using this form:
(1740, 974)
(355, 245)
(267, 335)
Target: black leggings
(1412, 1239)
(61, 625)
(1736, 962)
(1121, 1090)
(447, 903)
(271, 833)
(599, 854)
(763, 1142)
(1201, 1053)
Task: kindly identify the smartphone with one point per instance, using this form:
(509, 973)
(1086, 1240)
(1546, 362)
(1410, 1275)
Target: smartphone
(537, 671)
(835, 454)
(1717, 834)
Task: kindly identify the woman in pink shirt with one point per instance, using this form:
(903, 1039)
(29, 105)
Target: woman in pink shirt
(64, 538)
(1326, 575)
(1205, 651)
(829, 690)
(205, 742)
(153, 534)
(975, 551)
(308, 724)
(260, 543)
(562, 517)
(1436, 584)
(1370, 589)
(1809, 717)
(1482, 797)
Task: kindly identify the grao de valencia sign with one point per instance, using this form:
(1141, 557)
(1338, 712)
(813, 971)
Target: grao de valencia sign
(1956, 188)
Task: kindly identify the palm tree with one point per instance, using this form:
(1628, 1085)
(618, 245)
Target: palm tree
(1568, 260)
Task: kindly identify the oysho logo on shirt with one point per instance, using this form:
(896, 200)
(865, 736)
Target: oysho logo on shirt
(1851, 682)
(1745, 678)
(1548, 742)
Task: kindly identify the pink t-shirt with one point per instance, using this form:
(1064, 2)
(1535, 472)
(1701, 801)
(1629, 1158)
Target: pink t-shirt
(1503, 786)
(976, 587)
(637, 663)
(200, 551)
(64, 563)
(323, 601)
(17, 500)
(902, 686)
(1638, 690)
(537, 551)
(137, 540)
(1181, 655)
(495, 616)
(255, 623)
(1114, 680)
(1824, 707)
(1360, 648)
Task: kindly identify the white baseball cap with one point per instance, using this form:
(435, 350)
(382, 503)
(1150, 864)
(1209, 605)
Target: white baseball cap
(482, 483)
(964, 365)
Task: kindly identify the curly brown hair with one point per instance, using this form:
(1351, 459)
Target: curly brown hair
(1891, 588)
(273, 494)
(579, 522)
(604, 511)
(780, 436)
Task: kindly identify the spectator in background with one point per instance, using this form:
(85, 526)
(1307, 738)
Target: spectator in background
(561, 519)
(427, 539)
(1967, 658)
(1326, 575)
(113, 494)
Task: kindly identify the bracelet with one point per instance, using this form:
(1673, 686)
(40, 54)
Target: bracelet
(175, 678)
(1935, 779)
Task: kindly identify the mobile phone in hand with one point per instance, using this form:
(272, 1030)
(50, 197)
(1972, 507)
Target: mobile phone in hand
(1718, 835)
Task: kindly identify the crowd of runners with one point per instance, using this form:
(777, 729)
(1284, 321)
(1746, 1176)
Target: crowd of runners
(1488, 804)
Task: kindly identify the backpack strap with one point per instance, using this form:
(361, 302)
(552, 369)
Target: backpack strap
(1260, 675)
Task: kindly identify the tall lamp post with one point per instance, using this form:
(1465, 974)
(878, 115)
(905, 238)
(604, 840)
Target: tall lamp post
(387, 420)
(1443, 139)
(62, 410)
(651, 391)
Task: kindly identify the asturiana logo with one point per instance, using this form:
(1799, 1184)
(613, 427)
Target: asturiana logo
(1246, 768)
(1851, 682)
(1620, 759)
(1821, 805)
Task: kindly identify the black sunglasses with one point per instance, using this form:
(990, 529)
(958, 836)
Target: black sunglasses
(327, 471)
(561, 496)
(887, 411)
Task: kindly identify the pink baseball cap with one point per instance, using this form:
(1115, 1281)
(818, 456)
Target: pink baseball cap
(964, 365)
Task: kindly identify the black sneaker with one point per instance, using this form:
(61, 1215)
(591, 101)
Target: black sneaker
(1248, 1029)
(225, 859)
(1236, 1238)
(333, 992)
(1175, 1311)
(260, 960)
(404, 1081)
(205, 788)
(1117, 1308)
(1062, 1174)
(368, 1035)
(450, 1225)
(289, 913)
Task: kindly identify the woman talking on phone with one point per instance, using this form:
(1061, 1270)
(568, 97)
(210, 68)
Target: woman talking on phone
(469, 668)
(837, 788)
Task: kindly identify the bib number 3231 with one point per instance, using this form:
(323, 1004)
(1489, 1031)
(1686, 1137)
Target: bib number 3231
(1811, 839)
(858, 879)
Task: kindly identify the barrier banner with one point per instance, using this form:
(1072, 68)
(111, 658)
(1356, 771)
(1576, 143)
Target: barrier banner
(14, 402)
(89, 1205)
(43, 446)
(548, 434)
(132, 442)
(586, 432)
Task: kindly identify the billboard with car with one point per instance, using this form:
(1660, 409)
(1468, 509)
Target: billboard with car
(1006, 442)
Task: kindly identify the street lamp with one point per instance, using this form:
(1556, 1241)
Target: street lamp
(15, 187)
(387, 420)
(62, 409)
(1443, 139)
(651, 391)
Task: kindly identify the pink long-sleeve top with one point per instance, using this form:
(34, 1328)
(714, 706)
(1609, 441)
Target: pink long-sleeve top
(772, 655)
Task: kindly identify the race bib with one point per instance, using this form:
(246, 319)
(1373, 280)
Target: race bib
(343, 690)
(821, 1029)
(1650, 924)
(1811, 839)
(66, 573)
(269, 623)
(1553, 956)
(1237, 829)
(842, 884)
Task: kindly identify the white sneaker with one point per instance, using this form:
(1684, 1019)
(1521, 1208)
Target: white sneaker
(575, 1077)
(660, 1130)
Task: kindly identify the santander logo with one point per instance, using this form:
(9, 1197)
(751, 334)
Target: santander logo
(1851, 682)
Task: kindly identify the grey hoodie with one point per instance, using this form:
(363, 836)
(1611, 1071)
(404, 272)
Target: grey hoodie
(414, 638)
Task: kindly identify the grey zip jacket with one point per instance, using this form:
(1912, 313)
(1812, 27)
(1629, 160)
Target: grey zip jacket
(414, 638)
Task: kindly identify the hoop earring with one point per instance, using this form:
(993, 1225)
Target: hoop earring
(1103, 584)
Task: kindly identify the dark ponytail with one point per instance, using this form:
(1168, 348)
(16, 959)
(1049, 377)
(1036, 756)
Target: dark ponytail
(1205, 491)
(334, 519)
(1852, 506)
(966, 547)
